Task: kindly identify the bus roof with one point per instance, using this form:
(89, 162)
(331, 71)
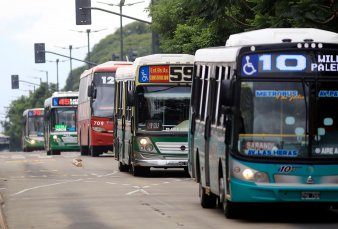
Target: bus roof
(277, 35)
(124, 73)
(217, 54)
(165, 59)
(65, 93)
(106, 67)
(229, 52)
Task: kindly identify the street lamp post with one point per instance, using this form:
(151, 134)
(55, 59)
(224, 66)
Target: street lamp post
(46, 74)
(70, 47)
(88, 31)
(121, 30)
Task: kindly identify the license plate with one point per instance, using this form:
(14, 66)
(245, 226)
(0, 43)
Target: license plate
(310, 196)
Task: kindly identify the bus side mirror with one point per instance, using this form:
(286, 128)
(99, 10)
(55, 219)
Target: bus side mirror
(91, 92)
(47, 114)
(130, 98)
(226, 93)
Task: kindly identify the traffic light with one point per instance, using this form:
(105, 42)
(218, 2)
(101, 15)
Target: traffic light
(15, 81)
(39, 51)
(83, 14)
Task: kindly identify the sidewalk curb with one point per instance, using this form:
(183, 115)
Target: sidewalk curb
(3, 224)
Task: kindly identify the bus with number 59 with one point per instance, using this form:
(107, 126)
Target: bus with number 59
(151, 113)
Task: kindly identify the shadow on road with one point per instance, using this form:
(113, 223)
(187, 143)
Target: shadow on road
(291, 213)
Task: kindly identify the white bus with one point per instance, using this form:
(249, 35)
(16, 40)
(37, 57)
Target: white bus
(264, 123)
(152, 112)
(60, 122)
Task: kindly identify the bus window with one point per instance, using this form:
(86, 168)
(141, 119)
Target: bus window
(164, 108)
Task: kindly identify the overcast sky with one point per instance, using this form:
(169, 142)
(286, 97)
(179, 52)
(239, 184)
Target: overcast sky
(25, 22)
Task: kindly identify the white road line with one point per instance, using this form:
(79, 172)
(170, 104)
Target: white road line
(18, 157)
(43, 186)
(110, 183)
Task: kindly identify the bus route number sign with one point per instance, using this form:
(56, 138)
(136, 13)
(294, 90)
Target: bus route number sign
(165, 74)
(35, 113)
(65, 101)
(256, 64)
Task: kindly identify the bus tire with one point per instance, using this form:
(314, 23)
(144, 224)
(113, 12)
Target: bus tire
(230, 210)
(122, 167)
(49, 152)
(207, 201)
(93, 151)
(55, 152)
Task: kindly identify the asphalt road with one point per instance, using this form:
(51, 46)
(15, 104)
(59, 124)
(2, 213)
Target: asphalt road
(41, 191)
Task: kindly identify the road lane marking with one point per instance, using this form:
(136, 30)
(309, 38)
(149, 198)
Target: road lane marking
(43, 186)
(138, 189)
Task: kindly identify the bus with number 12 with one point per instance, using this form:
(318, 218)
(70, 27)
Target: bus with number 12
(264, 123)
(96, 108)
(152, 113)
(60, 122)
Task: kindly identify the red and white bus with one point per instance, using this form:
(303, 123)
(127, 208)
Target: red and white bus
(96, 108)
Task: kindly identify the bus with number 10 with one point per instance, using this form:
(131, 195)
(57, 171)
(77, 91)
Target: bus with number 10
(264, 122)
(60, 122)
(96, 108)
(152, 113)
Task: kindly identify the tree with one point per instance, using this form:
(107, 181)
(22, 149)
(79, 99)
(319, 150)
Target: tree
(187, 25)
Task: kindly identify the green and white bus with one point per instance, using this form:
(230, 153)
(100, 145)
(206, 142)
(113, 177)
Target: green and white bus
(264, 122)
(32, 130)
(152, 112)
(60, 123)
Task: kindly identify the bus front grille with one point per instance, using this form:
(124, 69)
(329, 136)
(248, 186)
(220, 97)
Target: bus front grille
(172, 147)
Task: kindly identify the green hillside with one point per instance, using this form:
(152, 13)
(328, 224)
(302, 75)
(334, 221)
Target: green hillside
(136, 38)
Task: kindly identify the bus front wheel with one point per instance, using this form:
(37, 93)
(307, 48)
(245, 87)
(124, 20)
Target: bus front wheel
(207, 200)
(93, 151)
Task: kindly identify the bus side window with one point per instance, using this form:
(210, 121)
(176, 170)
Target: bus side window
(203, 107)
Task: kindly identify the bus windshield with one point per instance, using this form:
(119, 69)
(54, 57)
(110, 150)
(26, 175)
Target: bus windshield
(163, 108)
(63, 119)
(276, 119)
(273, 116)
(35, 126)
(103, 103)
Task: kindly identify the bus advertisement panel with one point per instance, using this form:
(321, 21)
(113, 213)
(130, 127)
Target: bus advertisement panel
(32, 130)
(272, 130)
(96, 108)
(152, 112)
(60, 123)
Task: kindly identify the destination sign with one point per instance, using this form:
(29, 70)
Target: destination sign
(260, 64)
(104, 78)
(35, 113)
(165, 74)
(64, 101)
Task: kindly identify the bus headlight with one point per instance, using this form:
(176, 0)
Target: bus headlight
(245, 173)
(55, 137)
(33, 141)
(145, 144)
